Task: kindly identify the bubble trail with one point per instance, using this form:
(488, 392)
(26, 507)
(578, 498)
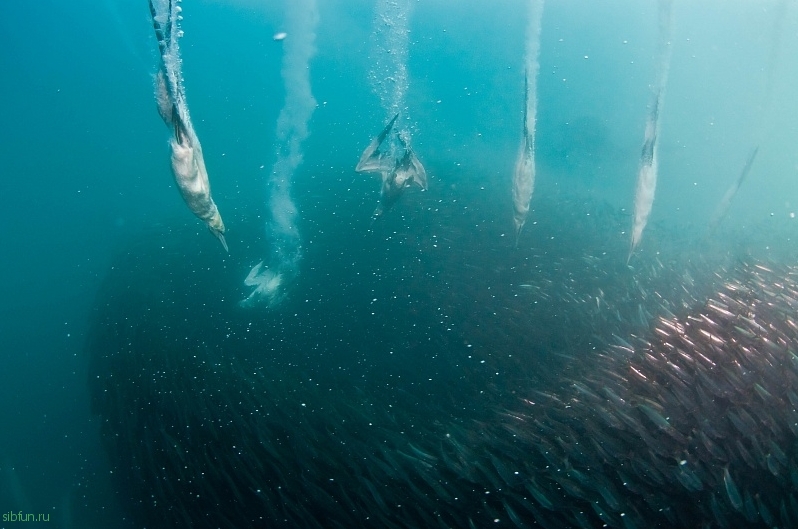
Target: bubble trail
(392, 156)
(270, 282)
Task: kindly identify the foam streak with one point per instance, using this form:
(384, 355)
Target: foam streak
(388, 75)
(292, 129)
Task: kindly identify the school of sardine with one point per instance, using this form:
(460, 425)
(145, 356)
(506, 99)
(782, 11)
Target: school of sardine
(674, 402)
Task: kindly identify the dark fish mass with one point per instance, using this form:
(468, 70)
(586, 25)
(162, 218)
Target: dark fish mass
(679, 411)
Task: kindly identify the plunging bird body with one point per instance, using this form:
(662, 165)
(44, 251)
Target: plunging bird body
(396, 172)
(188, 164)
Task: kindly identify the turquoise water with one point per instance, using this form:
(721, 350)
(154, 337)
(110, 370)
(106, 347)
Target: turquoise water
(85, 170)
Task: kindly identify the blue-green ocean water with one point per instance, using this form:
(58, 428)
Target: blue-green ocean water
(84, 159)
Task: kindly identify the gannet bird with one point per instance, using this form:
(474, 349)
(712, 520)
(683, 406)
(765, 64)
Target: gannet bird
(524, 173)
(266, 285)
(723, 207)
(646, 176)
(398, 166)
(188, 164)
